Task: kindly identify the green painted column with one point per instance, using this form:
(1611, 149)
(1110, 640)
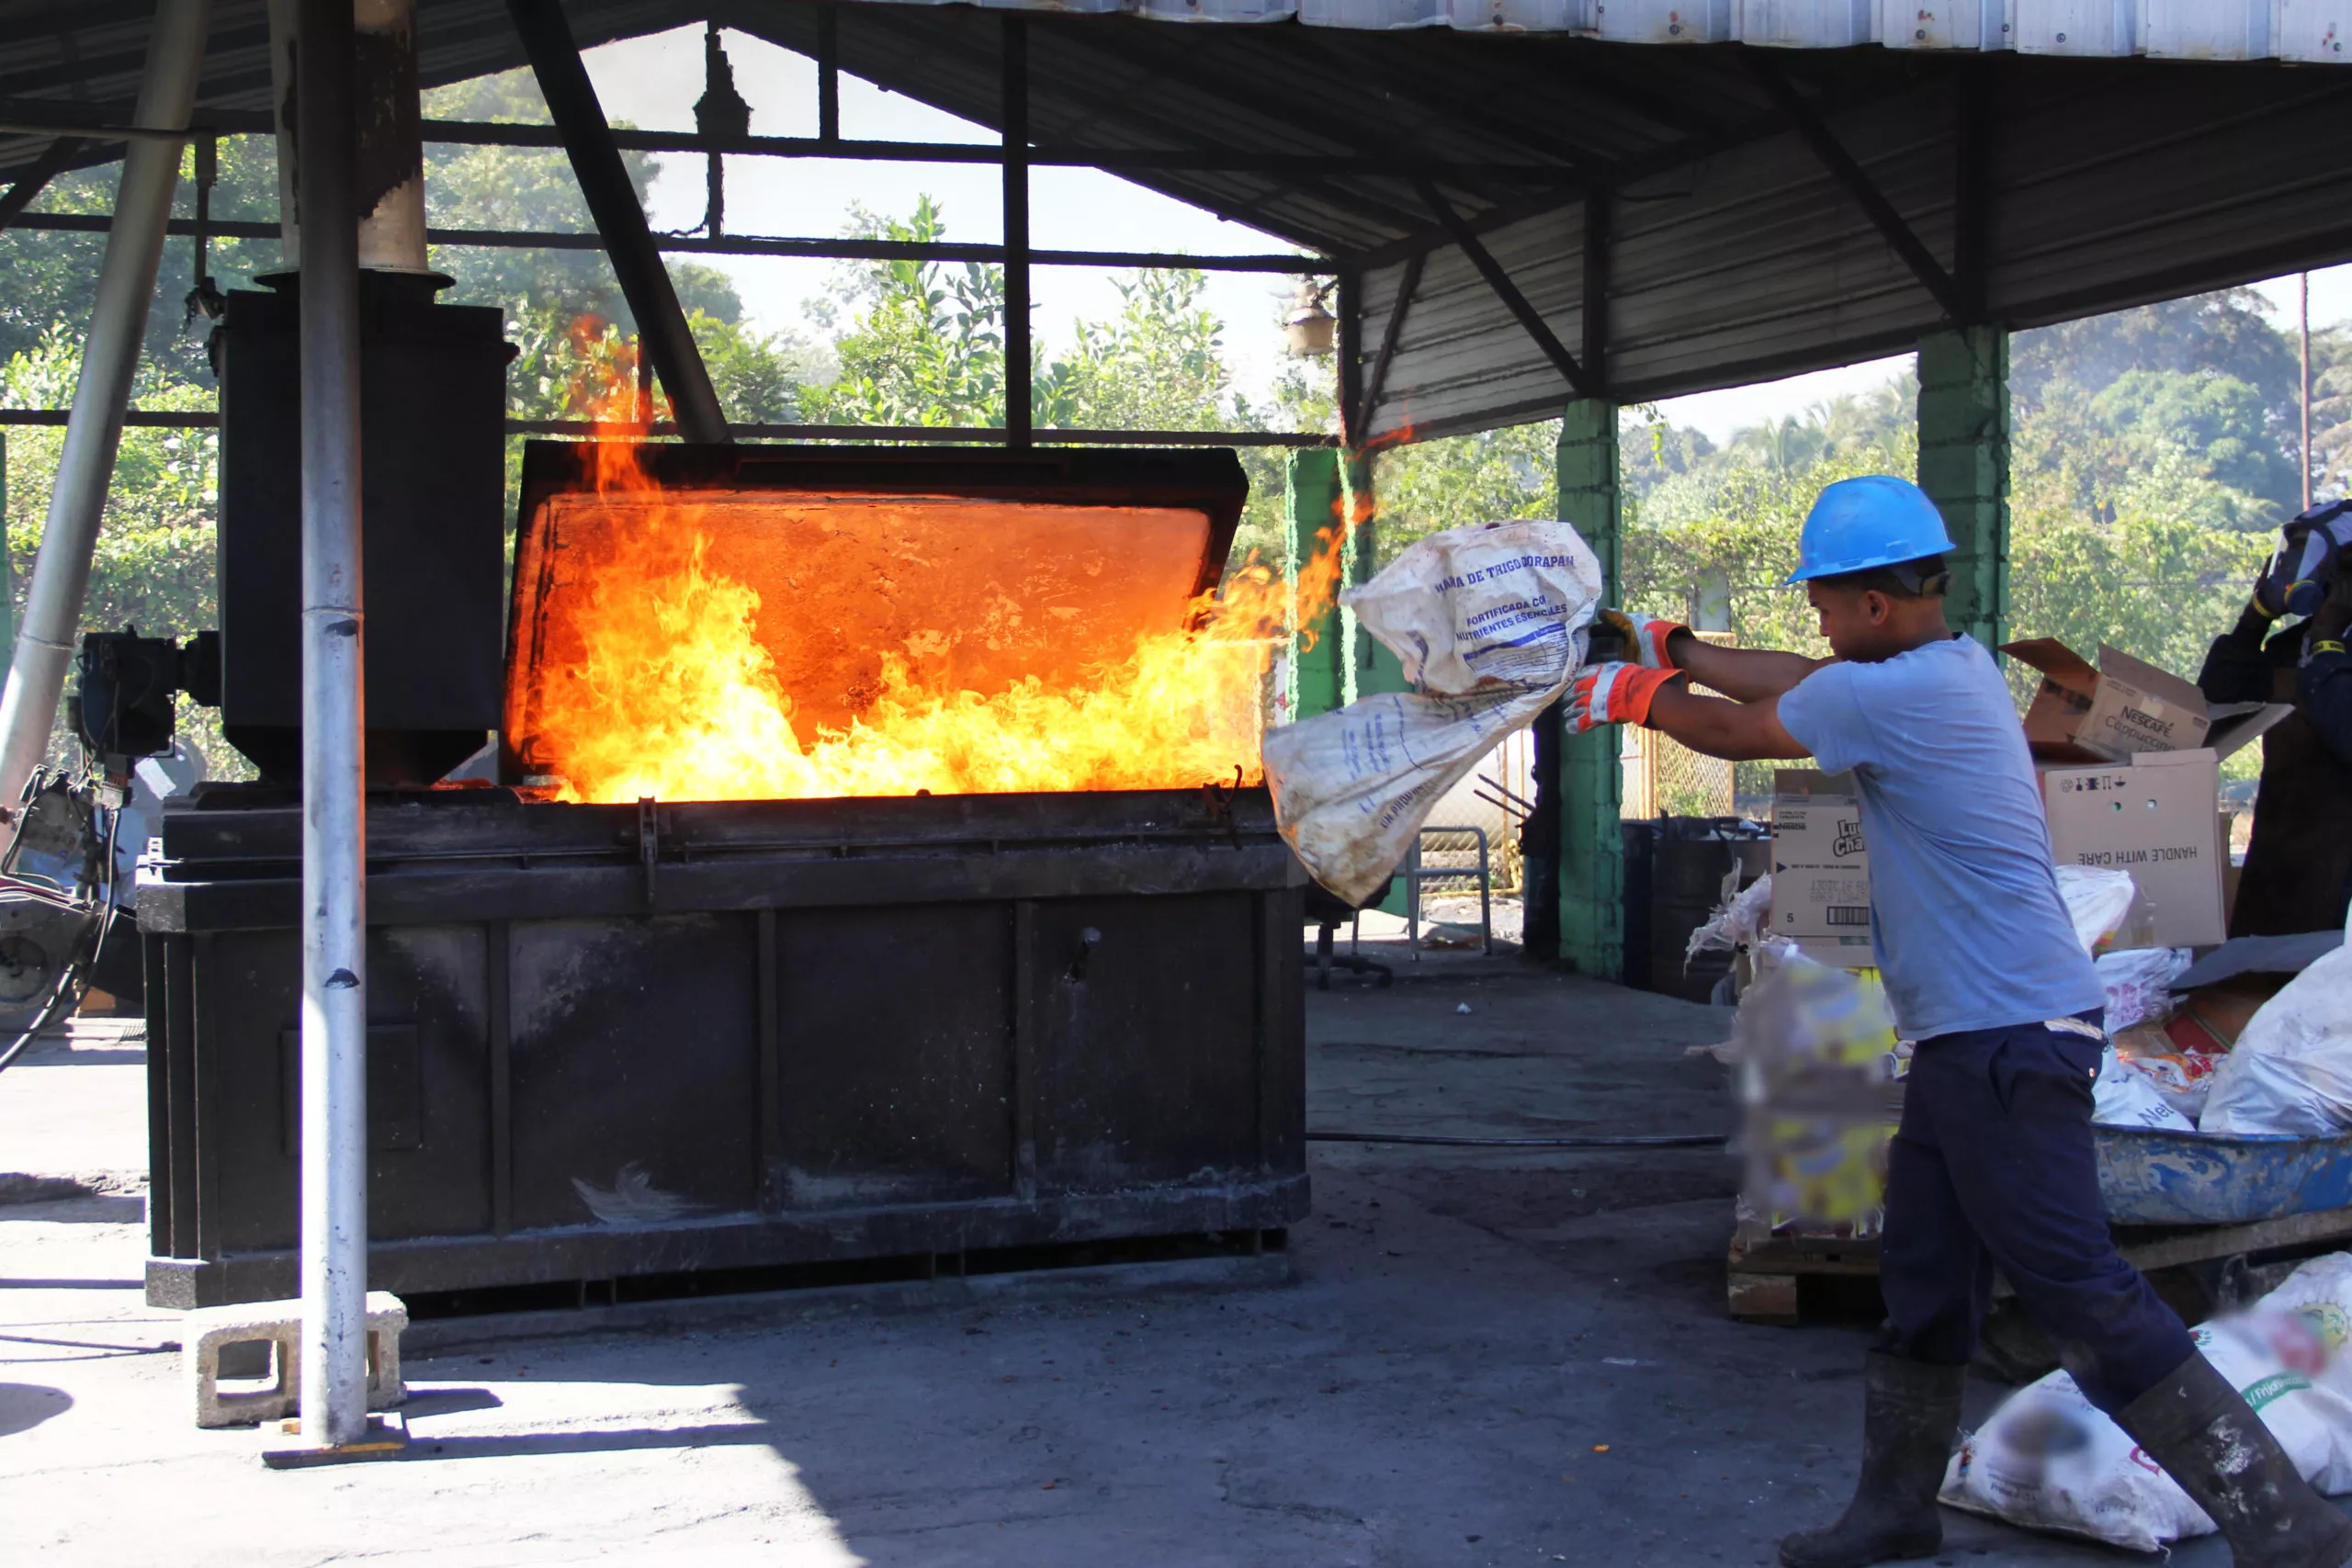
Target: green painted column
(1592, 848)
(1327, 498)
(1965, 467)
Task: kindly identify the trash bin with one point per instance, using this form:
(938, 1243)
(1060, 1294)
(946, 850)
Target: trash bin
(1675, 868)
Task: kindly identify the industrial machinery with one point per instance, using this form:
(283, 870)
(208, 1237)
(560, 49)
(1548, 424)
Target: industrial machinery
(873, 872)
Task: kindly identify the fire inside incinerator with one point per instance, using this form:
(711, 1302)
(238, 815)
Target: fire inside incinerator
(745, 623)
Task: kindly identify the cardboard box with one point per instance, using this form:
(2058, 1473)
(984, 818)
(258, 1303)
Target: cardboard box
(2154, 817)
(2125, 707)
(1821, 871)
(2149, 799)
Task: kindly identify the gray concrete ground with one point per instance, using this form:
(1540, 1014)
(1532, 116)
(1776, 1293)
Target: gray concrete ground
(1486, 1357)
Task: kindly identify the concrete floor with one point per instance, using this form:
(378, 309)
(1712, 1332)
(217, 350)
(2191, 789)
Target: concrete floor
(1485, 1357)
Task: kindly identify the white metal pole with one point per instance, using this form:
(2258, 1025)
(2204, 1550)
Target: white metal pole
(143, 208)
(335, 924)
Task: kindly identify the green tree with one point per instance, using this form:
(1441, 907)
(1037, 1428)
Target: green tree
(2223, 334)
(154, 565)
(2215, 425)
(2332, 411)
(927, 345)
(2135, 369)
(547, 293)
(1159, 365)
(532, 189)
(1650, 449)
(2147, 572)
(1484, 477)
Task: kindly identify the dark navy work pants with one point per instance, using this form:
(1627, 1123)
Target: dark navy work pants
(1993, 1168)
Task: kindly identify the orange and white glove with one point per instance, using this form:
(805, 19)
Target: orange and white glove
(1613, 693)
(1645, 636)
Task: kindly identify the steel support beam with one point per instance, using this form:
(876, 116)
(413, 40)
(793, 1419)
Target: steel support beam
(334, 836)
(949, 434)
(829, 75)
(150, 168)
(1508, 292)
(746, 245)
(35, 179)
(1591, 857)
(1857, 183)
(1597, 269)
(612, 202)
(37, 118)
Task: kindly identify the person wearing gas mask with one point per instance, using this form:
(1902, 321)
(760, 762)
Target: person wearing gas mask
(2298, 873)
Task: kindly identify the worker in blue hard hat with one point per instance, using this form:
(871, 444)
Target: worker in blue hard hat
(1992, 1167)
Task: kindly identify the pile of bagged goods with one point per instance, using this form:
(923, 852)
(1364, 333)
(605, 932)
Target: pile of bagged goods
(2051, 1459)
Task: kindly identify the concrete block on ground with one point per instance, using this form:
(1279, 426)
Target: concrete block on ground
(279, 1325)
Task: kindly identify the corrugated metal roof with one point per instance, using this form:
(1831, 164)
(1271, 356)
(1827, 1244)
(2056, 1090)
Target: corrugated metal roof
(2175, 29)
(1733, 250)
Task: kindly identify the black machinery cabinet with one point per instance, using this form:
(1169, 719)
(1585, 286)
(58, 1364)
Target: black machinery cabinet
(617, 1040)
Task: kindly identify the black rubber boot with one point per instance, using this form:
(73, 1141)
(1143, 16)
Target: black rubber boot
(2210, 1440)
(1910, 1416)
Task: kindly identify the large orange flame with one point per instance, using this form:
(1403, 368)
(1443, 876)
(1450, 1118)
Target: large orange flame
(670, 681)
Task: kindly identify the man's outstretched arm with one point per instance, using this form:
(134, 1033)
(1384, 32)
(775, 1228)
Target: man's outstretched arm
(1619, 693)
(1743, 674)
(1739, 732)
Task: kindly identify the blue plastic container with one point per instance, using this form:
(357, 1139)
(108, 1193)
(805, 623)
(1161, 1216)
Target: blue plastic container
(2150, 1177)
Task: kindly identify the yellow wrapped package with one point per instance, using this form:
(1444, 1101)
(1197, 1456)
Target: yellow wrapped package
(1816, 1053)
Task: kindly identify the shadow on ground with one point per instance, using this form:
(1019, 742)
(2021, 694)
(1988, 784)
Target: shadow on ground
(1486, 1357)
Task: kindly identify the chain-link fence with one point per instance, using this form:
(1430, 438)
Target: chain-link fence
(1664, 778)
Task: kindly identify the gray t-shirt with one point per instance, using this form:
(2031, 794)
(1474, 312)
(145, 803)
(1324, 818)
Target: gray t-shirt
(1965, 915)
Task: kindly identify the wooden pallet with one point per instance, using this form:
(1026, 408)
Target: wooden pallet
(1763, 1270)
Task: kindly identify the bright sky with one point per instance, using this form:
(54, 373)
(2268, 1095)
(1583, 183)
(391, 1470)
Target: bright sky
(1735, 408)
(653, 82)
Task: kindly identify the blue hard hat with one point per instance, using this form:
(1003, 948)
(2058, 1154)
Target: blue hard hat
(1876, 520)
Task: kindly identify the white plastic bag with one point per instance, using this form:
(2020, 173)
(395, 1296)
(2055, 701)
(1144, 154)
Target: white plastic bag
(2050, 1459)
(1489, 622)
(2098, 901)
(2182, 1079)
(2126, 1097)
(1738, 922)
(2291, 1071)
(2139, 983)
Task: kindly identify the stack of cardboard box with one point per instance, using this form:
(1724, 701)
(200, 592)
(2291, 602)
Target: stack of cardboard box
(2129, 762)
(1821, 872)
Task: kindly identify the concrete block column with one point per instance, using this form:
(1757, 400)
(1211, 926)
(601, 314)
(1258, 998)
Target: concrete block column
(1327, 500)
(1591, 878)
(1965, 467)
